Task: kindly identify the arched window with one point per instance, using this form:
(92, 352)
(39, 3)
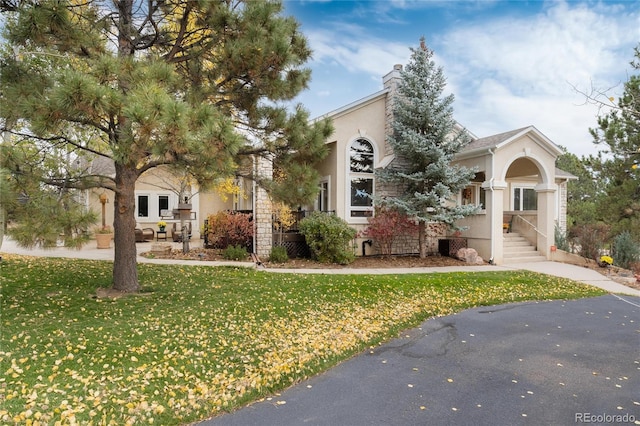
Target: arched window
(361, 161)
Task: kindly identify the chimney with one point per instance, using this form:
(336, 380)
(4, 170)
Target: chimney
(390, 81)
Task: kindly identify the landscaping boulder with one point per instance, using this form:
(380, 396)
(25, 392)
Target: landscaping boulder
(469, 255)
(161, 248)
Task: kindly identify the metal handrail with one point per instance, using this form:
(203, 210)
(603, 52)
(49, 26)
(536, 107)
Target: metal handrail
(531, 225)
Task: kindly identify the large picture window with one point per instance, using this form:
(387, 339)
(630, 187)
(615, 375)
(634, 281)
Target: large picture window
(361, 182)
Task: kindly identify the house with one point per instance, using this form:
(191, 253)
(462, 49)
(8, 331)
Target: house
(517, 185)
(516, 181)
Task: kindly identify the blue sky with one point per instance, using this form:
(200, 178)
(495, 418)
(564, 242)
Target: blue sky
(509, 64)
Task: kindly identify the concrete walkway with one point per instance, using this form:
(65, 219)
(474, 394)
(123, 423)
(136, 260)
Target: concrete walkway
(576, 273)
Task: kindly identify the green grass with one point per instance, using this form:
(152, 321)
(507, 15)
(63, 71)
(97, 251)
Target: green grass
(205, 340)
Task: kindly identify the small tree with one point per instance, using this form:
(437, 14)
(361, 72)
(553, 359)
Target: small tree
(425, 139)
(283, 219)
(386, 225)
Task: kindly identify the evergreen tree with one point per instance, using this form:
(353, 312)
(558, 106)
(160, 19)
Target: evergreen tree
(425, 139)
(196, 85)
(583, 194)
(616, 166)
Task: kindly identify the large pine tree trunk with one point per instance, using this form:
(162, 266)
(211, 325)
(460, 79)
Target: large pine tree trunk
(125, 268)
(422, 238)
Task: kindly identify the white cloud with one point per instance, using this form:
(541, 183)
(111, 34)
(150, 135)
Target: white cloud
(508, 69)
(512, 72)
(355, 51)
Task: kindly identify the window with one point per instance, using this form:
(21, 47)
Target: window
(361, 184)
(524, 199)
(322, 204)
(163, 204)
(474, 194)
(152, 206)
(143, 206)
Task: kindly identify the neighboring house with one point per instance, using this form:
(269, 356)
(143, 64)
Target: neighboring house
(159, 192)
(516, 184)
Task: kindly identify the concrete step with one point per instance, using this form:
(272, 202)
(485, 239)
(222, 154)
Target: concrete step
(517, 249)
(524, 259)
(517, 243)
(521, 251)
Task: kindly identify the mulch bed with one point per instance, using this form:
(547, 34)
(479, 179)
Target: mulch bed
(374, 262)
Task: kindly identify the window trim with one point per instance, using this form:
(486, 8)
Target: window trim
(521, 187)
(350, 175)
(138, 196)
(153, 204)
(317, 205)
(478, 190)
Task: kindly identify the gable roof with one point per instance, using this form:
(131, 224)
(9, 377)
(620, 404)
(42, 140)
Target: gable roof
(353, 105)
(480, 146)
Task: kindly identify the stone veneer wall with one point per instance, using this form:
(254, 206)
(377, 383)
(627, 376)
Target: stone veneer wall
(263, 211)
(562, 219)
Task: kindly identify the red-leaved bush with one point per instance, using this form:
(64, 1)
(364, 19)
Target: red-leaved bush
(386, 225)
(229, 229)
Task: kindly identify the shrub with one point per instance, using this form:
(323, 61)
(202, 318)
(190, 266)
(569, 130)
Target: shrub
(561, 240)
(237, 252)
(386, 225)
(228, 229)
(625, 250)
(590, 240)
(278, 255)
(328, 237)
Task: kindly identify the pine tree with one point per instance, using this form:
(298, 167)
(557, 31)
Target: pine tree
(617, 165)
(425, 140)
(582, 194)
(196, 85)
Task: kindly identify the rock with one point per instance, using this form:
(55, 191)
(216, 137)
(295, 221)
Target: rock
(479, 261)
(469, 255)
(161, 248)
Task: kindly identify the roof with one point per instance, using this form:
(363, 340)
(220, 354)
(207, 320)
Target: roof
(353, 105)
(493, 140)
(562, 174)
(480, 146)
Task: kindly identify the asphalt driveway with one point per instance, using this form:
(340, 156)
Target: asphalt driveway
(551, 363)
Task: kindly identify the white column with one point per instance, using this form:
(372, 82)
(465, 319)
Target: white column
(546, 217)
(495, 200)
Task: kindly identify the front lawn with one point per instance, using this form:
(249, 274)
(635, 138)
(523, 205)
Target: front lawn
(202, 340)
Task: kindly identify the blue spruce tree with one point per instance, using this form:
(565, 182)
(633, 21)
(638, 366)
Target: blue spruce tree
(425, 139)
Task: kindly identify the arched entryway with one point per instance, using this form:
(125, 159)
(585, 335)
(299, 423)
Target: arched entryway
(529, 204)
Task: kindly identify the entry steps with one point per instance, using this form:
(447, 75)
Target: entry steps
(518, 250)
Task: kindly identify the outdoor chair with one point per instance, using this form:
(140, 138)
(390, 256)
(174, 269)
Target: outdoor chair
(144, 234)
(176, 232)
